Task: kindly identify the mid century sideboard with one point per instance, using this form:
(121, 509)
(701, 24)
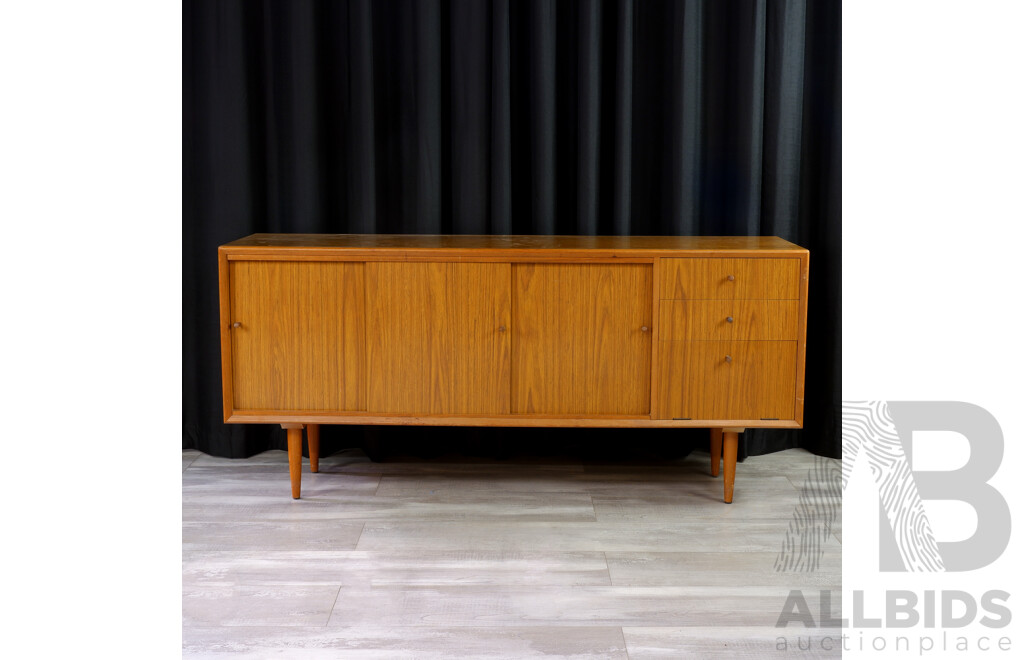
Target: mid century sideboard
(638, 331)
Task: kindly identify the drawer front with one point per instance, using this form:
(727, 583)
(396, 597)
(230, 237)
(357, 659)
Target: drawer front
(683, 320)
(728, 380)
(730, 279)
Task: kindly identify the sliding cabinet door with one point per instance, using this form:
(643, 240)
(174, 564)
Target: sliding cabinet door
(581, 339)
(297, 336)
(438, 337)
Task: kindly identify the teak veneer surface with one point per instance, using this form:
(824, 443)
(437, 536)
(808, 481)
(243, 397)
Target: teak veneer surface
(502, 245)
(438, 339)
(574, 331)
(730, 279)
(730, 319)
(299, 343)
(728, 379)
(581, 340)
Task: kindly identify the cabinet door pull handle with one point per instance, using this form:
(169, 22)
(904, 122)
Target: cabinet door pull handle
(236, 324)
(501, 328)
(732, 278)
(729, 319)
(643, 328)
(728, 358)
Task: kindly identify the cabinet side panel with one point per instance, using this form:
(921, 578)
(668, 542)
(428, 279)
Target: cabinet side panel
(578, 339)
(300, 343)
(801, 358)
(223, 273)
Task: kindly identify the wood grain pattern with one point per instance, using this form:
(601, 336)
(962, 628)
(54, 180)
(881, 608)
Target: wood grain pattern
(406, 567)
(560, 536)
(801, 357)
(655, 334)
(578, 342)
(300, 341)
(548, 245)
(709, 279)
(720, 641)
(513, 420)
(716, 451)
(425, 642)
(475, 570)
(295, 458)
(513, 331)
(761, 267)
(723, 566)
(226, 357)
(706, 504)
(313, 439)
(590, 605)
(220, 536)
(709, 319)
(730, 445)
(439, 340)
(698, 382)
(281, 605)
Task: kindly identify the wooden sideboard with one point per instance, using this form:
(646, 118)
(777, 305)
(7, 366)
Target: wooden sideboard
(626, 331)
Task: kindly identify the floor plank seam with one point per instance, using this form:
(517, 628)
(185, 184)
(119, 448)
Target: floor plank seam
(330, 614)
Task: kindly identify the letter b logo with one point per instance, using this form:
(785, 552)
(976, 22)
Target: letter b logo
(883, 431)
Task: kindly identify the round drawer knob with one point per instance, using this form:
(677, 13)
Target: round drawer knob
(643, 329)
(236, 324)
(732, 278)
(728, 358)
(501, 328)
(729, 319)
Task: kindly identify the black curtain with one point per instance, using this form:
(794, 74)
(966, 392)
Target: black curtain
(524, 117)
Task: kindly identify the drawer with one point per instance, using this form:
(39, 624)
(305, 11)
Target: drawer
(727, 380)
(730, 279)
(729, 319)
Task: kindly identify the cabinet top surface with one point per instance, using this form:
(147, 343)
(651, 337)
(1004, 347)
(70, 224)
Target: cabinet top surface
(433, 242)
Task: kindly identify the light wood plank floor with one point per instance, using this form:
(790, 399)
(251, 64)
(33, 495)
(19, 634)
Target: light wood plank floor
(467, 559)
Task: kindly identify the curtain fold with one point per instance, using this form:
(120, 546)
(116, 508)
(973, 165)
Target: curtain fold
(621, 167)
(534, 117)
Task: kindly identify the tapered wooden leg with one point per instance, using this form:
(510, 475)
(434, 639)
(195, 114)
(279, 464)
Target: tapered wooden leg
(295, 456)
(716, 451)
(313, 438)
(730, 443)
